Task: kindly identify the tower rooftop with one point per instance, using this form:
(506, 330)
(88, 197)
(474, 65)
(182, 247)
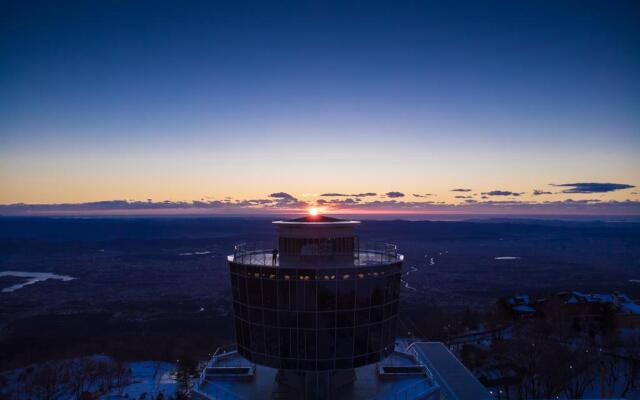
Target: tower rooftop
(316, 220)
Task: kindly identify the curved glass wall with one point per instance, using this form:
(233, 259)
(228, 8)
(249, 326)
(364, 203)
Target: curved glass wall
(315, 318)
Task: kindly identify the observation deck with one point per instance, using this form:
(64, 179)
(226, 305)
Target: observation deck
(365, 255)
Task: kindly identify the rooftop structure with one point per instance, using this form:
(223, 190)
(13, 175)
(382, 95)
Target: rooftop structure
(315, 318)
(414, 370)
(454, 379)
(401, 375)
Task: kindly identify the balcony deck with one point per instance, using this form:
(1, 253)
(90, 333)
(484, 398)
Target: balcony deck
(366, 254)
(360, 259)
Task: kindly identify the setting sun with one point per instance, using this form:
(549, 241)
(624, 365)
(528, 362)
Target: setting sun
(313, 211)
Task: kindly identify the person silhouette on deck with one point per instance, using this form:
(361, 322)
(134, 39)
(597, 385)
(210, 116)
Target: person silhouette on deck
(274, 256)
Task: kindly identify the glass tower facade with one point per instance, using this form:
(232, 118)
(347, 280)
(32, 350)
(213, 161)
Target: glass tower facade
(333, 316)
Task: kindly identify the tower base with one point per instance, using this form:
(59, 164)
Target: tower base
(312, 385)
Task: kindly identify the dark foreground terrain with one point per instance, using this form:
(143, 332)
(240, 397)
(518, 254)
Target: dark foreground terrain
(158, 288)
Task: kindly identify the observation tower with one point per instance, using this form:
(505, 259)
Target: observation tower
(315, 318)
(326, 302)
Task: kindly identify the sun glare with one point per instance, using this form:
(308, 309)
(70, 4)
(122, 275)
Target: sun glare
(313, 211)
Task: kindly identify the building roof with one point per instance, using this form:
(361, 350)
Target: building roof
(630, 308)
(369, 383)
(523, 308)
(519, 299)
(316, 218)
(579, 297)
(454, 379)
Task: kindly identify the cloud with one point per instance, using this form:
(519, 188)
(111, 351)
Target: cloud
(367, 194)
(338, 202)
(422, 195)
(254, 202)
(585, 201)
(283, 203)
(592, 187)
(538, 192)
(394, 195)
(283, 195)
(111, 205)
(334, 195)
(461, 190)
(286, 201)
(501, 193)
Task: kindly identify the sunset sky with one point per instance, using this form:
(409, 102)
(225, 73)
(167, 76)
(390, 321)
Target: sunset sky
(284, 106)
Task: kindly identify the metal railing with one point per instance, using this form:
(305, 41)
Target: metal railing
(425, 388)
(366, 253)
(213, 391)
(220, 351)
(411, 349)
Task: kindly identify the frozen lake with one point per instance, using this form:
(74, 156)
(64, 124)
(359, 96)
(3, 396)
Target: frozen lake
(31, 278)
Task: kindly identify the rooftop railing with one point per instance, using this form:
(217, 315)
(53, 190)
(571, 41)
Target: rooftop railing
(425, 388)
(366, 254)
(210, 390)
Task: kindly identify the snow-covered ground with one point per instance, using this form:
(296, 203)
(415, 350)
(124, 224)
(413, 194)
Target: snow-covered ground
(147, 380)
(150, 377)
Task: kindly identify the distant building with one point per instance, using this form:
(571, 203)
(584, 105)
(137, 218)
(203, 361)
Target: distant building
(521, 305)
(625, 313)
(622, 310)
(316, 319)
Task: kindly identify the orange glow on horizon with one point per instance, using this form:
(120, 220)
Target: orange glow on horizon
(398, 212)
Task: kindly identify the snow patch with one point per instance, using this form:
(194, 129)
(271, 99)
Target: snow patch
(32, 278)
(406, 285)
(195, 253)
(150, 377)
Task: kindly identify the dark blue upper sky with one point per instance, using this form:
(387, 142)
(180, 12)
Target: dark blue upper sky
(116, 99)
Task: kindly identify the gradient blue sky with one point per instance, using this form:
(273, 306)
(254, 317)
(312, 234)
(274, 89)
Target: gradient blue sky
(203, 100)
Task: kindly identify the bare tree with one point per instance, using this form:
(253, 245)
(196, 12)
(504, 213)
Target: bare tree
(46, 381)
(554, 367)
(631, 352)
(582, 372)
(612, 371)
(122, 375)
(157, 376)
(526, 354)
(78, 380)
